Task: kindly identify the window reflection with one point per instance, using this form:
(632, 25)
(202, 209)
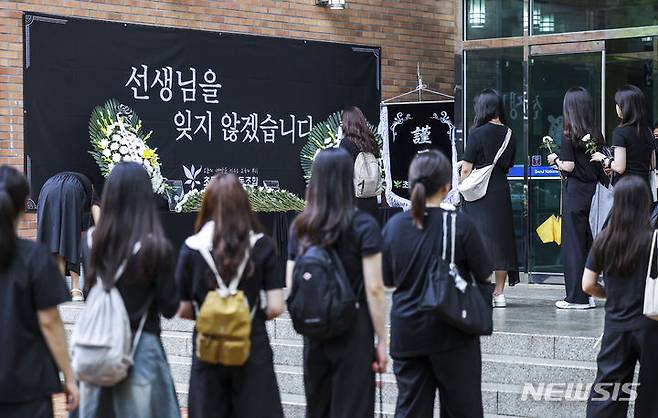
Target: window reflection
(551, 16)
(493, 18)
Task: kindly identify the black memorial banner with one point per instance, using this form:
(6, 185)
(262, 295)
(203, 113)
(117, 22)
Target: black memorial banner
(413, 128)
(216, 101)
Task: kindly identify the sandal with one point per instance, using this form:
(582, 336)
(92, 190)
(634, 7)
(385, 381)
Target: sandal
(77, 295)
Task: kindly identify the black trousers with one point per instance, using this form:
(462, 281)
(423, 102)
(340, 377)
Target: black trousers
(338, 377)
(38, 408)
(249, 391)
(576, 236)
(456, 373)
(616, 365)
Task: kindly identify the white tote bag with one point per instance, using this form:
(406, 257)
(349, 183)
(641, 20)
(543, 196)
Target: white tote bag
(600, 207)
(651, 286)
(474, 186)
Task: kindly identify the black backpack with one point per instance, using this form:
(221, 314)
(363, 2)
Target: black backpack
(322, 302)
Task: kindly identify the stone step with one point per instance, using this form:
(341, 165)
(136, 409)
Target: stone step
(507, 343)
(502, 394)
(498, 401)
(496, 368)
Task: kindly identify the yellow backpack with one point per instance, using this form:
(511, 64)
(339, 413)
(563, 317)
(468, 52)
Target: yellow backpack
(223, 323)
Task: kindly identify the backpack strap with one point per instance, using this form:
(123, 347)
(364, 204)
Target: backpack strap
(232, 288)
(117, 276)
(222, 289)
(142, 321)
(122, 267)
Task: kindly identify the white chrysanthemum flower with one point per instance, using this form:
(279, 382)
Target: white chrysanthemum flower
(116, 158)
(107, 153)
(123, 150)
(116, 137)
(103, 143)
(114, 146)
(586, 138)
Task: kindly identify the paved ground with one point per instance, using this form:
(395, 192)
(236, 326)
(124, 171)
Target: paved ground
(59, 403)
(531, 309)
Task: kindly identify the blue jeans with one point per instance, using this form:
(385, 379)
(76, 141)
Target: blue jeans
(147, 392)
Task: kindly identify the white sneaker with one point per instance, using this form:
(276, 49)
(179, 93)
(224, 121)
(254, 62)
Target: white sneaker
(563, 304)
(499, 301)
(77, 295)
(592, 303)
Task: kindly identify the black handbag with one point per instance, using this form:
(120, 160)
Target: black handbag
(465, 305)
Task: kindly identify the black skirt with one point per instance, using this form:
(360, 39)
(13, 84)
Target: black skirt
(63, 202)
(493, 217)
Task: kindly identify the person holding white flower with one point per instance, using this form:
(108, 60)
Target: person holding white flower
(632, 139)
(580, 140)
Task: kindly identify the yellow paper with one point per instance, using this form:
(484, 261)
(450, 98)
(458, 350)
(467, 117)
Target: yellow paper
(546, 231)
(557, 230)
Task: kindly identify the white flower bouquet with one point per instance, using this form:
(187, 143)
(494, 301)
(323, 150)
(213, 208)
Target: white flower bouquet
(261, 199)
(116, 135)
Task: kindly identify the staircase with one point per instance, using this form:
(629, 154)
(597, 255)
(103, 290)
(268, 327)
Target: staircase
(547, 348)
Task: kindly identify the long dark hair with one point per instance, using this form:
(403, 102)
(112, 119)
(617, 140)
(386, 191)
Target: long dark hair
(619, 246)
(234, 219)
(428, 173)
(633, 105)
(489, 105)
(208, 205)
(355, 127)
(14, 191)
(329, 200)
(129, 215)
(579, 117)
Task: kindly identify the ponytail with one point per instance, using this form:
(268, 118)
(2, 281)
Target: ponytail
(13, 192)
(418, 196)
(428, 173)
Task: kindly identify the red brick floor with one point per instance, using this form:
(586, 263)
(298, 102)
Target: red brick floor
(59, 403)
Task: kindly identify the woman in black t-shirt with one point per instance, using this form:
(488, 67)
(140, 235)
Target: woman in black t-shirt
(130, 216)
(581, 175)
(621, 253)
(357, 138)
(250, 390)
(338, 372)
(33, 345)
(632, 140)
(429, 354)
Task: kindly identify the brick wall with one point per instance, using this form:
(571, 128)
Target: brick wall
(408, 31)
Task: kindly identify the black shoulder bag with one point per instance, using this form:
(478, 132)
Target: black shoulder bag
(465, 305)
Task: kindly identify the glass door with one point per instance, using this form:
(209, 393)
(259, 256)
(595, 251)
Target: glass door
(552, 70)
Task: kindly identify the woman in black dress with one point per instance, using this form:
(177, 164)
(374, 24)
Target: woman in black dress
(492, 214)
(33, 346)
(581, 176)
(357, 138)
(428, 353)
(633, 139)
(67, 201)
(339, 378)
(621, 252)
(216, 390)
